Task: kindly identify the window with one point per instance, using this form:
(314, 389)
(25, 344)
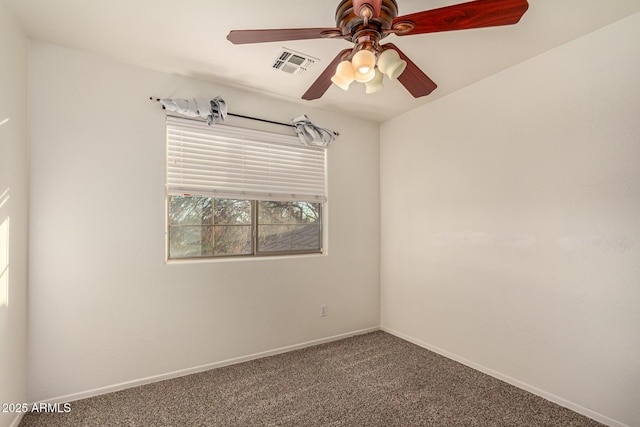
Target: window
(202, 226)
(239, 192)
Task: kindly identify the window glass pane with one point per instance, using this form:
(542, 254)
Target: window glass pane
(190, 241)
(274, 238)
(231, 211)
(279, 238)
(288, 212)
(306, 237)
(189, 210)
(289, 226)
(232, 240)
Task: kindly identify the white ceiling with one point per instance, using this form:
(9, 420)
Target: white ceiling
(188, 37)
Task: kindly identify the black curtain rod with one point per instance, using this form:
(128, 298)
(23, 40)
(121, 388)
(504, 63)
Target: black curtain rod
(244, 117)
(261, 120)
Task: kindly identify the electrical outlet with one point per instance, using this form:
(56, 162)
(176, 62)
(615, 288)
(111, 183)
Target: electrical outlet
(323, 310)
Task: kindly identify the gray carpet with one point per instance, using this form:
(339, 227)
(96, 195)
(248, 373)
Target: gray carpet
(374, 379)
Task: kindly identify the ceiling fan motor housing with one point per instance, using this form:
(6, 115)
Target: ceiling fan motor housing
(362, 25)
(366, 22)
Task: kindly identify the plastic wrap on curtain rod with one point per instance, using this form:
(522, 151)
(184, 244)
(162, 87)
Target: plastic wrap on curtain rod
(210, 109)
(216, 110)
(311, 134)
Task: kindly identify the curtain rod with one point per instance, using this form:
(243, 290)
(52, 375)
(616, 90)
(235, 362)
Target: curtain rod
(244, 117)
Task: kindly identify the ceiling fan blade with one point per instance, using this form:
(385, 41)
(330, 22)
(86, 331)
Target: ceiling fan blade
(413, 79)
(262, 36)
(322, 83)
(473, 14)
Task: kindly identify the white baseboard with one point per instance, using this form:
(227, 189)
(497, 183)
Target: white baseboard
(175, 374)
(180, 373)
(17, 419)
(517, 383)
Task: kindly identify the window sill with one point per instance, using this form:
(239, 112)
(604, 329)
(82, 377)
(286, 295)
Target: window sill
(241, 258)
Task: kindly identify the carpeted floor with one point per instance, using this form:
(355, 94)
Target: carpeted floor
(368, 380)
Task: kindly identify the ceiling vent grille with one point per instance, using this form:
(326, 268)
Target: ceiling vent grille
(292, 62)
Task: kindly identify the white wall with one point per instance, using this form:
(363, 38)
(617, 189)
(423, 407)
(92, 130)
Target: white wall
(14, 187)
(104, 308)
(511, 224)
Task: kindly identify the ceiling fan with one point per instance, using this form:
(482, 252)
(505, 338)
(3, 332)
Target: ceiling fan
(366, 22)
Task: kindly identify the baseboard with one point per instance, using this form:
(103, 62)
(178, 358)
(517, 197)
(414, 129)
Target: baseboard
(180, 373)
(517, 383)
(17, 419)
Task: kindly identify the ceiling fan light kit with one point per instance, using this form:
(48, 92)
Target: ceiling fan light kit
(344, 75)
(364, 77)
(390, 64)
(366, 22)
(364, 70)
(363, 61)
(375, 85)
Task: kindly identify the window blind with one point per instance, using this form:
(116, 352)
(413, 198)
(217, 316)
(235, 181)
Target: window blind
(230, 162)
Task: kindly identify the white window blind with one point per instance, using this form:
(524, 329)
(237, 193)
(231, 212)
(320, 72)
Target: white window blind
(231, 162)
